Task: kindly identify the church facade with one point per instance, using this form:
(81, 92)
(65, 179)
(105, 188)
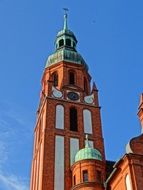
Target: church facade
(68, 142)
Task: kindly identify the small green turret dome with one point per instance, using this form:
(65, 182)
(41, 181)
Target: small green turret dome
(88, 153)
(68, 37)
(66, 33)
(65, 45)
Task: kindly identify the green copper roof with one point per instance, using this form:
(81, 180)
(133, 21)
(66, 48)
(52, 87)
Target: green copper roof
(65, 45)
(88, 153)
(66, 33)
(66, 55)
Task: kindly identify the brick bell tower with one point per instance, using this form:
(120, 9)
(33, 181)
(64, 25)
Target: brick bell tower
(68, 110)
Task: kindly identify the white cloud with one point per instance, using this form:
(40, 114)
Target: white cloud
(14, 127)
(9, 182)
(12, 183)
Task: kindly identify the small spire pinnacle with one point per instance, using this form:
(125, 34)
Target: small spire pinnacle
(86, 142)
(140, 112)
(94, 88)
(141, 100)
(65, 19)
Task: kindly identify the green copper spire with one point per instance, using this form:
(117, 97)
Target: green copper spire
(65, 19)
(65, 47)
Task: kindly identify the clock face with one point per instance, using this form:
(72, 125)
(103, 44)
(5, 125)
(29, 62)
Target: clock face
(73, 96)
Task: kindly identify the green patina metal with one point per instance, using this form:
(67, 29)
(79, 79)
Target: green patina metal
(88, 153)
(65, 21)
(66, 33)
(65, 52)
(65, 55)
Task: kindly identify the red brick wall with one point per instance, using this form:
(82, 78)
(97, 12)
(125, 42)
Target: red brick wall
(92, 166)
(131, 164)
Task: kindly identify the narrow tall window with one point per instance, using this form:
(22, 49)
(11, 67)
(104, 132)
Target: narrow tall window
(59, 117)
(74, 180)
(74, 148)
(59, 163)
(85, 175)
(73, 119)
(61, 43)
(68, 42)
(87, 119)
(74, 44)
(55, 79)
(71, 78)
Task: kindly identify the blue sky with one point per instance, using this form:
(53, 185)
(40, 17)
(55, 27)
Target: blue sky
(110, 38)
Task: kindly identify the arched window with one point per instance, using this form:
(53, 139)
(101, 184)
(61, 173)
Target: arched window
(59, 117)
(68, 42)
(87, 118)
(73, 119)
(85, 86)
(85, 175)
(61, 43)
(55, 79)
(71, 77)
(128, 183)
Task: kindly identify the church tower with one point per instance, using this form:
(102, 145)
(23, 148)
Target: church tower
(68, 143)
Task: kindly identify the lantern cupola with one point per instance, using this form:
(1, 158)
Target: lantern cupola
(65, 47)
